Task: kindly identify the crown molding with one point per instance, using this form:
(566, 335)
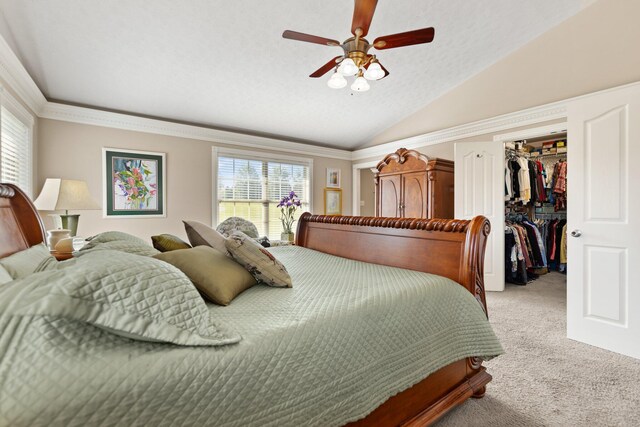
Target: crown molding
(532, 133)
(18, 79)
(526, 117)
(495, 124)
(90, 116)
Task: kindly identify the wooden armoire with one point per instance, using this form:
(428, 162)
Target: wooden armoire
(410, 185)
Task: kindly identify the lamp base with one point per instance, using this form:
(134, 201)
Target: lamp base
(70, 222)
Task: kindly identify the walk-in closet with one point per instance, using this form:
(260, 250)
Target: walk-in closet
(535, 208)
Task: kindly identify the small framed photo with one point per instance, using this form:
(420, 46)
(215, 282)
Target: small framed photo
(134, 183)
(333, 178)
(333, 201)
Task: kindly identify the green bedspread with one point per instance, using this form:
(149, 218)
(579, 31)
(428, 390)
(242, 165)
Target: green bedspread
(345, 338)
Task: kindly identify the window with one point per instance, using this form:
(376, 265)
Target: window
(15, 144)
(251, 187)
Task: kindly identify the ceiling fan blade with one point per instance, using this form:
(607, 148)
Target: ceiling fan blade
(409, 38)
(325, 68)
(294, 35)
(362, 16)
(386, 72)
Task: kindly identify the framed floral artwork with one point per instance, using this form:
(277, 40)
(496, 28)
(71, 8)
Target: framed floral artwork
(134, 183)
(333, 178)
(333, 201)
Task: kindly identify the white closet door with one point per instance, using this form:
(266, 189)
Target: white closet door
(479, 190)
(603, 289)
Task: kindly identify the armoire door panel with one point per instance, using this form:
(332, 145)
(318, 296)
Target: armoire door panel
(414, 195)
(411, 185)
(390, 196)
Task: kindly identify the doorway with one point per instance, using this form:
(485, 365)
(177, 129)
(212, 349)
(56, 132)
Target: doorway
(535, 208)
(481, 189)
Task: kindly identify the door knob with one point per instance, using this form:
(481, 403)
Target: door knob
(576, 233)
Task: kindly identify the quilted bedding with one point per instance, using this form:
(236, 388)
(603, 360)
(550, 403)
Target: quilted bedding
(345, 338)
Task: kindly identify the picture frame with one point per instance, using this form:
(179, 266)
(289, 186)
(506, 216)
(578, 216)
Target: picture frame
(333, 201)
(333, 178)
(133, 183)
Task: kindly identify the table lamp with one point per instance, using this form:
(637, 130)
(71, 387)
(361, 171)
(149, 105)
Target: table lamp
(66, 194)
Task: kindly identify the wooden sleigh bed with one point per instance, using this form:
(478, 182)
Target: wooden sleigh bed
(450, 248)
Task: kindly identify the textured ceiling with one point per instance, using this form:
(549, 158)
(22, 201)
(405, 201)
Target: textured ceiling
(224, 63)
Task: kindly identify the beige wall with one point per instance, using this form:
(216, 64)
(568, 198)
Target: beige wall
(367, 193)
(71, 150)
(596, 49)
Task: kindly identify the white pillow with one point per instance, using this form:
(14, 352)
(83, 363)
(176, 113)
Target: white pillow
(133, 296)
(200, 234)
(24, 263)
(258, 261)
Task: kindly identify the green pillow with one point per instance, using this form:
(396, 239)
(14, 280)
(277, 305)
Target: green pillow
(24, 263)
(5, 277)
(168, 242)
(219, 278)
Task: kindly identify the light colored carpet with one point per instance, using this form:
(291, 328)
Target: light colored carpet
(545, 379)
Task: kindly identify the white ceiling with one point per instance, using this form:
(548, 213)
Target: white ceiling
(224, 63)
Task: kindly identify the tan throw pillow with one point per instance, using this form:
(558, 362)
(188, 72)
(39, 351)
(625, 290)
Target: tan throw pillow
(168, 242)
(258, 261)
(219, 278)
(200, 234)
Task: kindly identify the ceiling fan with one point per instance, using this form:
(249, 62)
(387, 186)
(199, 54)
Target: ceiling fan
(356, 60)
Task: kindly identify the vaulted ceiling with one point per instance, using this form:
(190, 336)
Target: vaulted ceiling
(224, 63)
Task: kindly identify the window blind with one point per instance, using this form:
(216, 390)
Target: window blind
(15, 151)
(251, 189)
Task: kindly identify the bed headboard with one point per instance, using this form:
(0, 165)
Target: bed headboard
(20, 225)
(448, 247)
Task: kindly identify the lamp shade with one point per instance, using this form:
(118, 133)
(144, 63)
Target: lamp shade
(348, 67)
(65, 194)
(374, 72)
(360, 84)
(337, 81)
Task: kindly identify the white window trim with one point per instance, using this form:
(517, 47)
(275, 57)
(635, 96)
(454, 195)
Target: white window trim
(246, 154)
(9, 102)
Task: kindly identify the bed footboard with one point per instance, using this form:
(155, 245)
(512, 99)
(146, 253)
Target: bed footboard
(448, 247)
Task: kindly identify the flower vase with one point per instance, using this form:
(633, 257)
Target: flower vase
(287, 237)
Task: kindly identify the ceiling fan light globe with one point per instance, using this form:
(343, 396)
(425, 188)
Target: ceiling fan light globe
(337, 81)
(348, 67)
(374, 72)
(360, 85)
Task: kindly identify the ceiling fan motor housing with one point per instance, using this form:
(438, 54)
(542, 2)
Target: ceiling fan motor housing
(356, 49)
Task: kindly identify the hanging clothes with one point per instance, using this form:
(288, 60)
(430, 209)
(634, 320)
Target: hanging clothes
(524, 251)
(540, 181)
(524, 181)
(508, 180)
(560, 186)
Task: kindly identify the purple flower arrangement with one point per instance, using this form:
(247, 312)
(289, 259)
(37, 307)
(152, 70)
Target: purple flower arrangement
(288, 206)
